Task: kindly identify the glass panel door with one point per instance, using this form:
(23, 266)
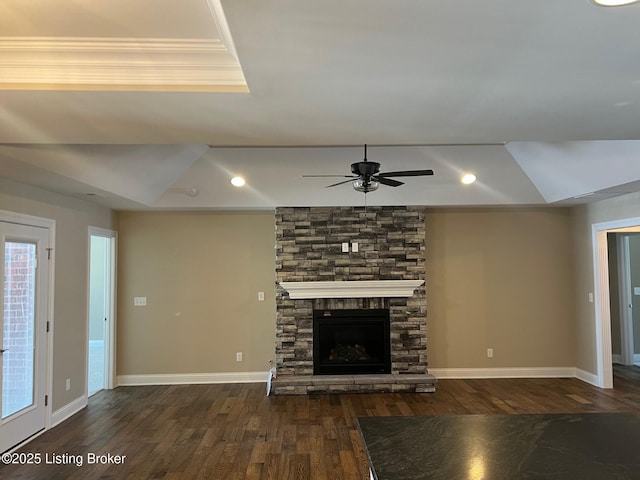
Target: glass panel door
(18, 329)
(23, 331)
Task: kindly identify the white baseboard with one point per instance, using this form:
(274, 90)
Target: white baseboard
(587, 377)
(192, 378)
(68, 410)
(533, 372)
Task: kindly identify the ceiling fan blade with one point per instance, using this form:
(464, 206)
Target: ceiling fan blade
(388, 181)
(325, 176)
(340, 183)
(406, 173)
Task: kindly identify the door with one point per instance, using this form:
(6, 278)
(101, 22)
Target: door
(633, 322)
(626, 298)
(23, 336)
(101, 307)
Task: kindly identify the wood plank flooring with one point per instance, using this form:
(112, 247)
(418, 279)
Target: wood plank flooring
(235, 432)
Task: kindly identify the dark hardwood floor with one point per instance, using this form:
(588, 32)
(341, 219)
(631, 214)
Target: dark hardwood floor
(235, 432)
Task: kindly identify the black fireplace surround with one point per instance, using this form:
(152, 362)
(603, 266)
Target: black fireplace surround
(351, 342)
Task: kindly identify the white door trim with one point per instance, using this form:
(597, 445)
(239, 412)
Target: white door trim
(604, 359)
(50, 225)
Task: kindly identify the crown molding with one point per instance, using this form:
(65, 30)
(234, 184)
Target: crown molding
(120, 45)
(65, 63)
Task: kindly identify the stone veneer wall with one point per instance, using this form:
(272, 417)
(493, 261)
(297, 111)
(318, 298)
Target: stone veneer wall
(391, 243)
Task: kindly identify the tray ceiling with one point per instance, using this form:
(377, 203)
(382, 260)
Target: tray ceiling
(540, 99)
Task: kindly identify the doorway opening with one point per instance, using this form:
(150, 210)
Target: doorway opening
(101, 328)
(602, 297)
(624, 290)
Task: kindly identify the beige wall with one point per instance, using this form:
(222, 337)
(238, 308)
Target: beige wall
(73, 218)
(496, 278)
(501, 279)
(201, 273)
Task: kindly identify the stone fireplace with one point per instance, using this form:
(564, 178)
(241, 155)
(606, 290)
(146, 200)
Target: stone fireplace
(350, 259)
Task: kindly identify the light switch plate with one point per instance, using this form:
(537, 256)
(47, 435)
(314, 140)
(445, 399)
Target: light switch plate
(345, 247)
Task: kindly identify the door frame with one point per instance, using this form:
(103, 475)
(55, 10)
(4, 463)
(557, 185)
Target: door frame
(50, 225)
(110, 344)
(604, 357)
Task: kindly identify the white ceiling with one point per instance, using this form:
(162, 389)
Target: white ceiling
(145, 103)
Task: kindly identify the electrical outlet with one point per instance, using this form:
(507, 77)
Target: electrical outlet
(68, 384)
(345, 247)
(140, 301)
(238, 356)
(490, 352)
(261, 296)
(354, 247)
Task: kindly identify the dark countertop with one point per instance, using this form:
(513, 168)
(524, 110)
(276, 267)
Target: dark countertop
(592, 446)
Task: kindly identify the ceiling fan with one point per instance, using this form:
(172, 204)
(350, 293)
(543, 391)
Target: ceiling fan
(367, 176)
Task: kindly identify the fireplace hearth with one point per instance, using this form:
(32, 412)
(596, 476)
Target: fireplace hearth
(351, 342)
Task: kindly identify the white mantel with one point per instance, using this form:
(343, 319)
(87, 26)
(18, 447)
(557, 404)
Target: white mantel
(351, 289)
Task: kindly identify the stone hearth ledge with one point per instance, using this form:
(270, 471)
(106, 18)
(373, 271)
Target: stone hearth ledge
(378, 383)
(351, 289)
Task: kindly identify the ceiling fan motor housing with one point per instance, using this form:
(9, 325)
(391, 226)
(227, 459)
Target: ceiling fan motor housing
(365, 169)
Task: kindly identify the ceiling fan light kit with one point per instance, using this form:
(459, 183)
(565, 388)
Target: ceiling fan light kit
(363, 186)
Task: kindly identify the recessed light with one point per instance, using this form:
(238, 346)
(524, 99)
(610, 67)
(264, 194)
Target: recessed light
(468, 178)
(614, 3)
(237, 181)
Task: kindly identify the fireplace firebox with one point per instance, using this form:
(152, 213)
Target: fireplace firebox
(351, 342)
